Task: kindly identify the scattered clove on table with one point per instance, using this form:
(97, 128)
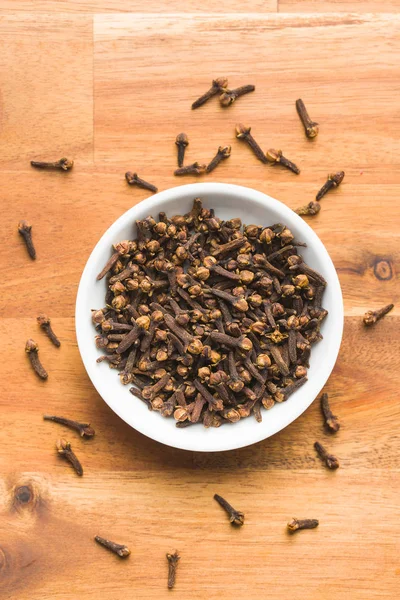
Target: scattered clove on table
(298, 524)
(172, 559)
(32, 350)
(331, 421)
(373, 316)
(45, 324)
(333, 181)
(235, 516)
(25, 230)
(64, 449)
(83, 429)
(120, 549)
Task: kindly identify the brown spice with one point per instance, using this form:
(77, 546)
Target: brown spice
(134, 179)
(217, 86)
(333, 181)
(64, 449)
(276, 156)
(297, 524)
(83, 429)
(172, 566)
(64, 164)
(373, 316)
(25, 230)
(32, 349)
(121, 550)
(204, 317)
(45, 324)
(235, 516)
(331, 421)
(330, 460)
(311, 127)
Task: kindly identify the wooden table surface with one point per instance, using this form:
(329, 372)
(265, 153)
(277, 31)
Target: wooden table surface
(110, 83)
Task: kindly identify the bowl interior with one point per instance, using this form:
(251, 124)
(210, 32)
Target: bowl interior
(228, 201)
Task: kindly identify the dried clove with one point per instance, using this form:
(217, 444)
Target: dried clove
(172, 566)
(32, 349)
(235, 516)
(181, 141)
(330, 460)
(218, 85)
(333, 181)
(311, 209)
(64, 164)
(45, 323)
(193, 169)
(25, 230)
(202, 316)
(331, 421)
(311, 127)
(64, 449)
(243, 133)
(297, 524)
(134, 179)
(119, 549)
(276, 156)
(83, 429)
(228, 97)
(372, 316)
(222, 153)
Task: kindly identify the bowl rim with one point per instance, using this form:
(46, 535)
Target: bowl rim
(164, 435)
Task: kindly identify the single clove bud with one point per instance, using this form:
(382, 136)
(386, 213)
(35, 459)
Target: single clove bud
(65, 450)
(229, 96)
(181, 141)
(218, 85)
(331, 421)
(134, 179)
(311, 127)
(172, 566)
(194, 169)
(25, 230)
(84, 429)
(333, 181)
(312, 208)
(45, 324)
(64, 164)
(297, 524)
(243, 133)
(235, 517)
(276, 156)
(32, 349)
(120, 549)
(330, 460)
(372, 316)
(223, 152)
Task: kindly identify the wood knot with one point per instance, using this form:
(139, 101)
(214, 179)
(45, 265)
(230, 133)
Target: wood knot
(27, 498)
(383, 269)
(23, 494)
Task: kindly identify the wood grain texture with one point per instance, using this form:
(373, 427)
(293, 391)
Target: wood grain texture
(349, 6)
(137, 6)
(116, 102)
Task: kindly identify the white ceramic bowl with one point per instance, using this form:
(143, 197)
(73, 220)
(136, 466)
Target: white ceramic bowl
(228, 201)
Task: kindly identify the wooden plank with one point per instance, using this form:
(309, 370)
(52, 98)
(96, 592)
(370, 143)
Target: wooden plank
(135, 491)
(50, 539)
(366, 403)
(88, 201)
(144, 100)
(348, 6)
(135, 6)
(46, 92)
